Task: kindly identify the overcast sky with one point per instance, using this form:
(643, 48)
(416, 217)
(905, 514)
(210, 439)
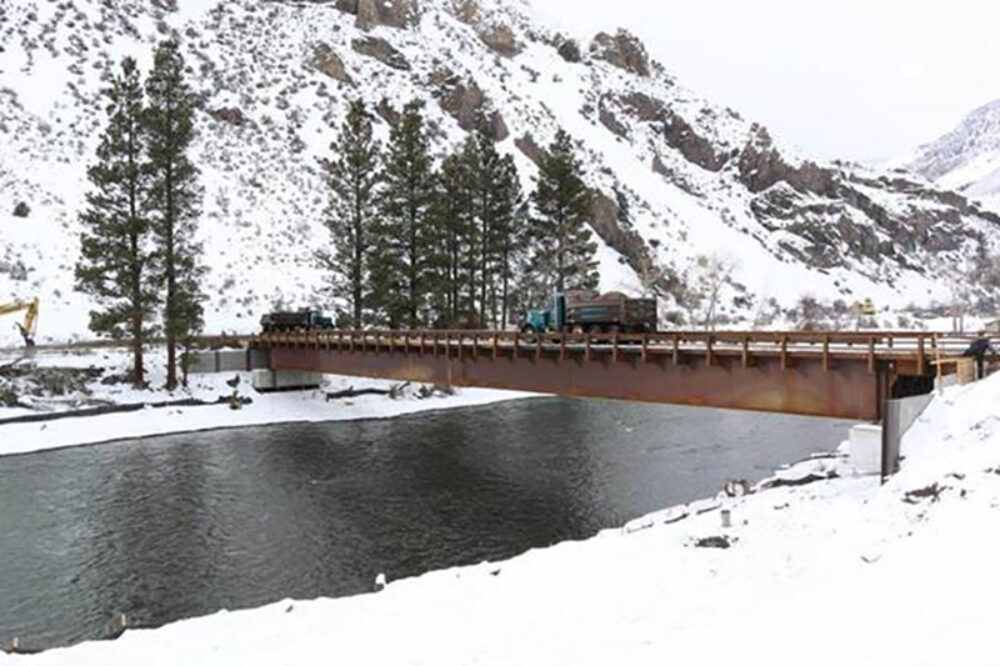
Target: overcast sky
(860, 79)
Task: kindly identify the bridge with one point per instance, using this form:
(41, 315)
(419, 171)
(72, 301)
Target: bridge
(845, 375)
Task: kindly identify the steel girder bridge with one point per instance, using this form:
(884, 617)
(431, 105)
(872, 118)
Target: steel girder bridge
(845, 374)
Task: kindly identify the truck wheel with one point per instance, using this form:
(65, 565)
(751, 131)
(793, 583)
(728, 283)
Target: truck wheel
(528, 330)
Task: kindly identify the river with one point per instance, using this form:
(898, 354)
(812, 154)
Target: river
(185, 525)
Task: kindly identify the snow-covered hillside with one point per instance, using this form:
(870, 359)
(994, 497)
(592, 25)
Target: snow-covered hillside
(678, 177)
(967, 159)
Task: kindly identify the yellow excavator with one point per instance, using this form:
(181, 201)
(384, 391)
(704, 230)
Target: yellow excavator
(30, 308)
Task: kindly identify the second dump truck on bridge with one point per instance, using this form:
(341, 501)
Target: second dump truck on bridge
(584, 312)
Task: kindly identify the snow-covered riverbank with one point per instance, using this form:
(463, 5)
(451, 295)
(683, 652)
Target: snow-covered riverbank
(308, 406)
(837, 571)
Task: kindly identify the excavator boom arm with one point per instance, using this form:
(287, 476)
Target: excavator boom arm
(30, 318)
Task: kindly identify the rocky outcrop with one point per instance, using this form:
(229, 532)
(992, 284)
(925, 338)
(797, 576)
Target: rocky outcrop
(676, 131)
(694, 147)
(386, 112)
(500, 38)
(608, 118)
(381, 50)
(606, 220)
(526, 144)
(326, 60)
(231, 115)
(462, 100)
(569, 51)
(623, 50)
(761, 166)
(468, 11)
(391, 13)
(498, 127)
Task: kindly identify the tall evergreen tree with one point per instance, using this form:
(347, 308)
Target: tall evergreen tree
(563, 242)
(509, 237)
(404, 253)
(486, 168)
(454, 217)
(174, 194)
(116, 259)
(352, 175)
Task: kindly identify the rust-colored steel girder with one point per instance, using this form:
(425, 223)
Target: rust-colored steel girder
(835, 375)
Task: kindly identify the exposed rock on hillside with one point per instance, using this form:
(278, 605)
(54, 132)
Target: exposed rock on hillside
(623, 50)
(327, 61)
(460, 99)
(501, 39)
(381, 50)
(392, 13)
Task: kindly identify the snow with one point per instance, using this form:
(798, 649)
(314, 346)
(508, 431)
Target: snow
(838, 571)
(266, 409)
(264, 195)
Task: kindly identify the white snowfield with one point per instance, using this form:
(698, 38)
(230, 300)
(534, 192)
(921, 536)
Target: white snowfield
(840, 571)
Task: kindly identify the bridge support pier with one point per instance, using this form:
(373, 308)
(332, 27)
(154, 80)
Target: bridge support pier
(273, 381)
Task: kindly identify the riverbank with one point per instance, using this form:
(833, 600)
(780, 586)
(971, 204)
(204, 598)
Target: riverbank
(842, 570)
(91, 379)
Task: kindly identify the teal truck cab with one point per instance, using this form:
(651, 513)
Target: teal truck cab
(583, 312)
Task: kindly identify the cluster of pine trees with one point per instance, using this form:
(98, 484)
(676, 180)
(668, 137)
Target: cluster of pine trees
(139, 260)
(449, 242)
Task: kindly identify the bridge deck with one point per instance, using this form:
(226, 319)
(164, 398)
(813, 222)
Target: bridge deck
(824, 374)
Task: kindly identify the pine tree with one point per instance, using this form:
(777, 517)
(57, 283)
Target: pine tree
(454, 221)
(403, 263)
(564, 244)
(352, 175)
(116, 261)
(509, 237)
(174, 194)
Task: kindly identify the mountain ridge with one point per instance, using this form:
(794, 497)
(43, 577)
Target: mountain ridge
(676, 176)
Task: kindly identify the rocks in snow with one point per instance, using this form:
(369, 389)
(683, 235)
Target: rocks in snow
(391, 13)
(22, 210)
(326, 60)
(381, 50)
(623, 50)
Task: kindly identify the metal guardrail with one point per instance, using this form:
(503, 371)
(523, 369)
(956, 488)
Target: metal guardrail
(920, 349)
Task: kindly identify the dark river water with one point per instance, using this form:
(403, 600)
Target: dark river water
(186, 525)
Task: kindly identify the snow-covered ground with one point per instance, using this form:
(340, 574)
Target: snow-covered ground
(308, 406)
(835, 572)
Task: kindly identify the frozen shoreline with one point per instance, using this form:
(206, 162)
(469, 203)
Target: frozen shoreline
(265, 410)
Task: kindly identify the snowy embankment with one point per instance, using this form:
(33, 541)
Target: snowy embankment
(264, 409)
(837, 571)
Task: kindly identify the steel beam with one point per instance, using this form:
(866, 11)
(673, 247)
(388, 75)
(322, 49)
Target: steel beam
(851, 388)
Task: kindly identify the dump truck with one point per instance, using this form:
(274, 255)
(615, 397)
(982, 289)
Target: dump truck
(300, 320)
(585, 312)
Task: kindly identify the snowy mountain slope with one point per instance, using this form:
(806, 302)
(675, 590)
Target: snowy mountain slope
(678, 177)
(967, 159)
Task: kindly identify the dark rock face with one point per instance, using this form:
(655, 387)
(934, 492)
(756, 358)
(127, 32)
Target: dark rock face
(822, 206)
(391, 13)
(233, 115)
(623, 50)
(606, 220)
(695, 148)
(677, 132)
(326, 60)
(381, 50)
(526, 144)
(498, 126)
(22, 210)
(609, 120)
(462, 100)
(387, 113)
(501, 39)
(570, 51)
